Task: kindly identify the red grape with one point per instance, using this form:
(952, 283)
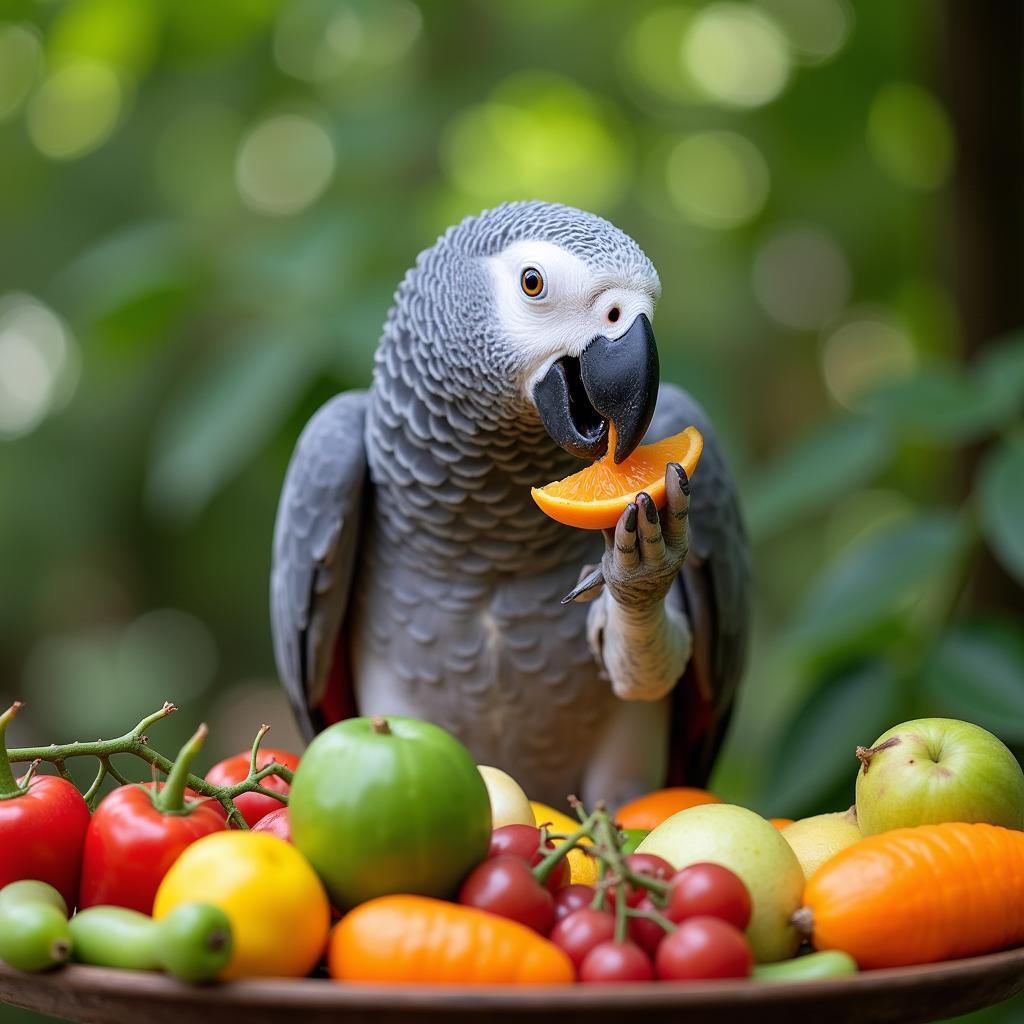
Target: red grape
(523, 841)
(582, 930)
(505, 886)
(572, 897)
(709, 890)
(614, 961)
(704, 948)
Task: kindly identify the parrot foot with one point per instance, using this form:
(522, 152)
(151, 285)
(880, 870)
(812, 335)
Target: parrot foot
(645, 551)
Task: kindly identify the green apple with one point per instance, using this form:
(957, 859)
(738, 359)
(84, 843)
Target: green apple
(750, 846)
(938, 769)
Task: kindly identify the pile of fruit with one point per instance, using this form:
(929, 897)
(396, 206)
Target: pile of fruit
(386, 855)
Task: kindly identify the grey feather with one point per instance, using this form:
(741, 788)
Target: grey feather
(718, 564)
(316, 542)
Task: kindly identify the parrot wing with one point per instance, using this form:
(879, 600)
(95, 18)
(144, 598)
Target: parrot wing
(715, 594)
(316, 542)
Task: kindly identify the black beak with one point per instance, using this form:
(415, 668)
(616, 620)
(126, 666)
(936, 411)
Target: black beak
(612, 381)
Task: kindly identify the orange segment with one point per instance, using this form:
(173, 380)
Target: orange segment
(781, 823)
(595, 497)
(649, 811)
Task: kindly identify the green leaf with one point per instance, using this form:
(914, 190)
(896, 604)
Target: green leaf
(817, 470)
(1000, 375)
(1001, 500)
(873, 581)
(236, 402)
(119, 271)
(976, 672)
(937, 404)
(816, 751)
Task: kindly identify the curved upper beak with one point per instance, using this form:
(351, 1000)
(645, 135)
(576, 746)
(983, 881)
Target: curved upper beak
(613, 381)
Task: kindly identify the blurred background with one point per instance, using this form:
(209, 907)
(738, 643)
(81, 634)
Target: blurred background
(204, 211)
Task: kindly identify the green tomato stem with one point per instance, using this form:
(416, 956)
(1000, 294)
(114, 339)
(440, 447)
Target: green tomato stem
(136, 743)
(569, 843)
(652, 915)
(171, 798)
(8, 785)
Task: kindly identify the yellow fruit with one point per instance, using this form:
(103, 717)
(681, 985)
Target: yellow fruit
(582, 867)
(277, 907)
(818, 839)
(753, 848)
(509, 804)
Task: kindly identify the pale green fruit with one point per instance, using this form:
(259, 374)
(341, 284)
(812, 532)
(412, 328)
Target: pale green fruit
(752, 847)
(818, 839)
(509, 804)
(934, 770)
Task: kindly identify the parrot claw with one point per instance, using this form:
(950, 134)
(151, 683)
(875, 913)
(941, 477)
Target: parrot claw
(588, 588)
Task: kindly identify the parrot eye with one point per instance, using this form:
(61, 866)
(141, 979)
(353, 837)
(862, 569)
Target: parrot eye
(532, 282)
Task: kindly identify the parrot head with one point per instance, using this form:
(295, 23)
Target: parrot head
(541, 312)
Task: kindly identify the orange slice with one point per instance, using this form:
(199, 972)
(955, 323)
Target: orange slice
(595, 497)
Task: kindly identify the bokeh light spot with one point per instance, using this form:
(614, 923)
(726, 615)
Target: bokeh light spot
(817, 29)
(320, 40)
(868, 349)
(737, 55)
(75, 110)
(284, 164)
(39, 364)
(801, 277)
(651, 54)
(910, 136)
(20, 51)
(539, 136)
(123, 33)
(717, 179)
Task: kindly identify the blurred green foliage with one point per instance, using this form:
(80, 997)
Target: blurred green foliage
(206, 207)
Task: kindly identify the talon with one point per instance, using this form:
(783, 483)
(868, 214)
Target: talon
(684, 480)
(591, 582)
(650, 509)
(632, 515)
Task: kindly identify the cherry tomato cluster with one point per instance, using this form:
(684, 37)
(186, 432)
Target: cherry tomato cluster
(674, 925)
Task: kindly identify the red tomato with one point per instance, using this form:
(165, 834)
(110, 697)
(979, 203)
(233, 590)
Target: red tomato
(505, 886)
(231, 770)
(42, 829)
(709, 890)
(614, 961)
(276, 823)
(572, 897)
(579, 932)
(704, 948)
(649, 865)
(42, 832)
(523, 841)
(647, 934)
(131, 844)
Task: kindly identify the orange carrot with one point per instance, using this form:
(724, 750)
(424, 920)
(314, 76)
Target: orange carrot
(420, 940)
(919, 895)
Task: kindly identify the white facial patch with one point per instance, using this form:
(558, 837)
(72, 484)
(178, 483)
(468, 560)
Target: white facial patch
(576, 304)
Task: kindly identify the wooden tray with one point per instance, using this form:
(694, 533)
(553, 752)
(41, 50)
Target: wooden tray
(907, 995)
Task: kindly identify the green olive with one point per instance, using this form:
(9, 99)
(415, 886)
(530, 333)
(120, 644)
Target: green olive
(195, 941)
(115, 937)
(829, 963)
(34, 935)
(28, 890)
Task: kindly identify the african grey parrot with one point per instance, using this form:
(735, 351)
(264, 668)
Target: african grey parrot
(414, 575)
